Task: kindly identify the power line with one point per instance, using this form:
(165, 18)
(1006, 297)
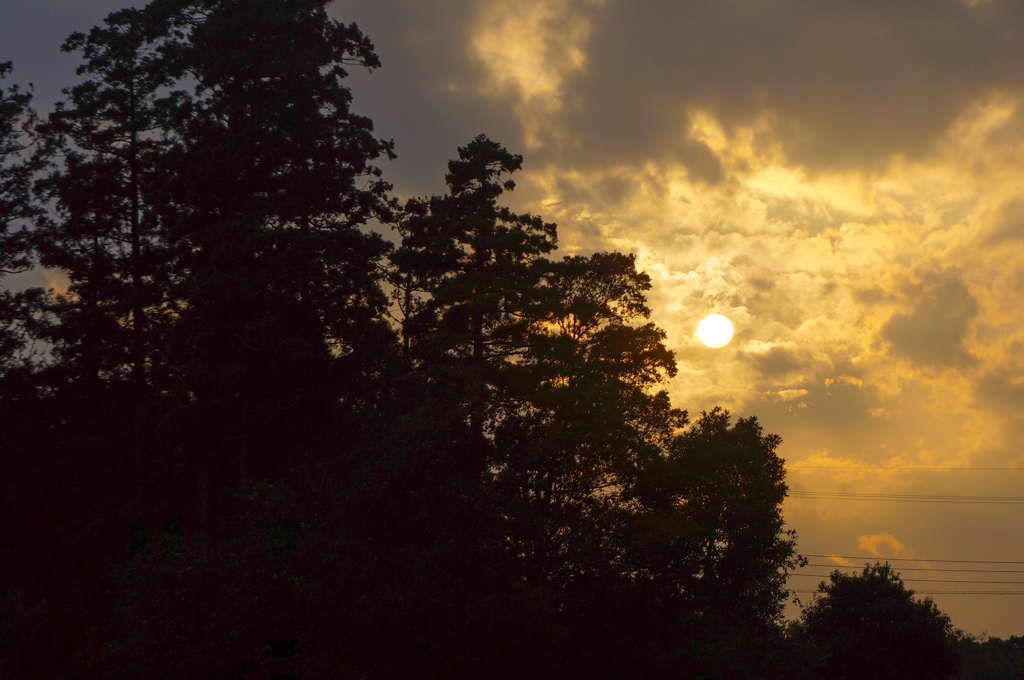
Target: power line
(985, 571)
(875, 467)
(911, 496)
(907, 498)
(906, 559)
(825, 576)
(936, 592)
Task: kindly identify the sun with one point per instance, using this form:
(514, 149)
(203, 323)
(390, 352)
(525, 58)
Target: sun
(715, 330)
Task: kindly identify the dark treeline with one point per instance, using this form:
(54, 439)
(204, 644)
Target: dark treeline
(252, 437)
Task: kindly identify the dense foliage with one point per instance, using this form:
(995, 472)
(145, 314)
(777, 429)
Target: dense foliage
(250, 435)
(990, 658)
(18, 164)
(870, 626)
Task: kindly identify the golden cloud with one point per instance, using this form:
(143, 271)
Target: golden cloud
(871, 544)
(529, 50)
(863, 231)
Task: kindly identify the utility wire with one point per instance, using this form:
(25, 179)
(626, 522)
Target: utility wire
(906, 559)
(913, 496)
(985, 571)
(875, 467)
(907, 498)
(924, 580)
(936, 592)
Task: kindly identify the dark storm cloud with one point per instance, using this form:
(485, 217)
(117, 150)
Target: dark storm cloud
(847, 82)
(829, 409)
(1003, 391)
(425, 94)
(872, 295)
(701, 162)
(1010, 224)
(932, 333)
(776, 361)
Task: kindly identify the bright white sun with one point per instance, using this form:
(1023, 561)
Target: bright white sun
(715, 331)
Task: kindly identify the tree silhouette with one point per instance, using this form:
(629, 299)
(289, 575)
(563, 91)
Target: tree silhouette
(575, 420)
(991, 658)
(107, 189)
(104, 187)
(17, 166)
(280, 301)
(733, 483)
(479, 264)
(869, 625)
(20, 478)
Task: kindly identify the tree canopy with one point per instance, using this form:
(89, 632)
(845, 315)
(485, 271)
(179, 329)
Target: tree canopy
(17, 167)
(869, 625)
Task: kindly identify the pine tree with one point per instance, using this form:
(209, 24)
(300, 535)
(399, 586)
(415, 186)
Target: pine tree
(17, 165)
(479, 265)
(108, 190)
(20, 410)
(280, 331)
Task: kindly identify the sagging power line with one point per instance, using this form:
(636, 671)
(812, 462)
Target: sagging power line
(943, 569)
(875, 467)
(925, 580)
(908, 498)
(935, 592)
(875, 558)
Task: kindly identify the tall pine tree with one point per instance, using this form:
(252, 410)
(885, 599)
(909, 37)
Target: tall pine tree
(107, 189)
(478, 265)
(107, 237)
(20, 409)
(17, 165)
(280, 321)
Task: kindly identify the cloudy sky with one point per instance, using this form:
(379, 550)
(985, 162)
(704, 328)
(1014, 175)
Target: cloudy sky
(843, 180)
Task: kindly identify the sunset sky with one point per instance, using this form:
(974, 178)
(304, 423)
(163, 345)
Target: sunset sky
(843, 180)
